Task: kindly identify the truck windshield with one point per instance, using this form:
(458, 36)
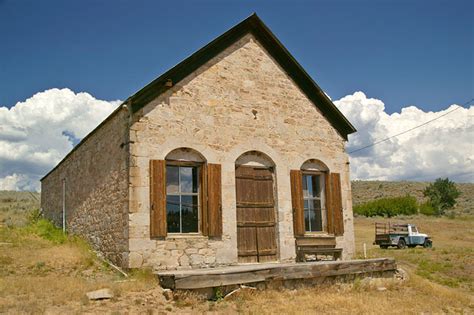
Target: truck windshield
(414, 229)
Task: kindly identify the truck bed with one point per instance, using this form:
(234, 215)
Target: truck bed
(390, 229)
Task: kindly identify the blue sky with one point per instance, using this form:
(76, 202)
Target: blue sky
(404, 52)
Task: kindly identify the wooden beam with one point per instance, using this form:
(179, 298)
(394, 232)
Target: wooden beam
(216, 277)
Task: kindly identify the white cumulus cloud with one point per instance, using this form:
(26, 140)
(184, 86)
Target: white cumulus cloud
(442, 148)
(37, 133)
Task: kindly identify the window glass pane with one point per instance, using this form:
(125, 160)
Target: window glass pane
(189, 179)
(189, 212)
(172, 173)
(306, 221)
(317, 217)
(172, 213)
(316, 185)
(305, 186)
(316, 204)
(306, 204)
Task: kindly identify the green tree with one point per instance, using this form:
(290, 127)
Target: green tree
(442, 195)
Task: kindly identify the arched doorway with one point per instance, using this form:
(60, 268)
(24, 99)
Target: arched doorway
(256, 214)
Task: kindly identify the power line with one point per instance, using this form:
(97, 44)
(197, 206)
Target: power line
(411, 129)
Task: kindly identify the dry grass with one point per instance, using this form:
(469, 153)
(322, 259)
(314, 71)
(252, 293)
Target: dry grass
(42, 276)
(450, 262)
(412, 297)
(14, 205)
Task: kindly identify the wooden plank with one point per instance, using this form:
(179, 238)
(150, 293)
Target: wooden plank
(198, 282)
(256, 224)
(314, 241)
(254, 267)
(197, 279)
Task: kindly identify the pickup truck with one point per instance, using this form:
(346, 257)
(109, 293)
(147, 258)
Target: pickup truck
(400, 235)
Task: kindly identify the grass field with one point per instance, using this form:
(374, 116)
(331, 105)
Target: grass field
(42, 271)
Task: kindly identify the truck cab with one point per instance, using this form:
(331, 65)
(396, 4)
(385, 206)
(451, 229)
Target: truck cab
(400, 235)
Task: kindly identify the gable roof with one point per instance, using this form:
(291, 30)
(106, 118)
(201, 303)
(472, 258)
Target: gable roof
(260, 31)
(254, 25)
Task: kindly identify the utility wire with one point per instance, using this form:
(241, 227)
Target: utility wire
(416, 127)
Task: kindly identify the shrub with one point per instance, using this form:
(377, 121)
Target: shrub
(33, 216)
(46, 229)
(388, 207)
(427, 209)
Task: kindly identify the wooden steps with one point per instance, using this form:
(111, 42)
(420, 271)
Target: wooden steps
(254, 273)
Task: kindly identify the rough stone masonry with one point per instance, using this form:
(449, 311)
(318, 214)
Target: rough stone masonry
(239, 101)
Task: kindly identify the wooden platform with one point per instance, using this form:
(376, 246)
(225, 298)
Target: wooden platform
(255, 273)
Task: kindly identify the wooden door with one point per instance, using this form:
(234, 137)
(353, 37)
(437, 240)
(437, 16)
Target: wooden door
(256, 228)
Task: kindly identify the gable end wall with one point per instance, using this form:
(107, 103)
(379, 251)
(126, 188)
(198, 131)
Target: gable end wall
(212, 111)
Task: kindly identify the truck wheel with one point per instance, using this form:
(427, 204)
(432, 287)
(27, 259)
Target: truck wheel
(383, 246)
(401, 244)
(428, 244)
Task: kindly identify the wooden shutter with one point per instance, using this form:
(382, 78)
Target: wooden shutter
(329, 205)
(296, 182)
(334, 204)
(214, 200)
(157, 198)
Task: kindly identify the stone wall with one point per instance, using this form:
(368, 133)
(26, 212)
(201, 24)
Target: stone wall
(96, 175)
(239, 101)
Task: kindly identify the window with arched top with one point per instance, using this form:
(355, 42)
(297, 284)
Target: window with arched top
(316, 200)
(184, 169)
(185, 195)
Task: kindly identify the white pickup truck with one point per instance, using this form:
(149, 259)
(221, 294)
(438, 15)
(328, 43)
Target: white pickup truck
(400, 235)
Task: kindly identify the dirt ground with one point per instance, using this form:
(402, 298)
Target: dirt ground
(51, 275)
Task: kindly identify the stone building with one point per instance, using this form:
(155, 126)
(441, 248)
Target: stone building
(232, 156)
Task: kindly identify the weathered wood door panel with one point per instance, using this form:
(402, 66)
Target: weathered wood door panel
(256, 235)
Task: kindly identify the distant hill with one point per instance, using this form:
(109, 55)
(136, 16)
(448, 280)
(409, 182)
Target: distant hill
(14, 204)
(363, 191)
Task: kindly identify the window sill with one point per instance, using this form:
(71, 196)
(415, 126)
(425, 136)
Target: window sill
(185, 236)
(319, 235)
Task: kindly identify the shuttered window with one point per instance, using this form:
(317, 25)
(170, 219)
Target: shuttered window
(317, 203)
(185, 198)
